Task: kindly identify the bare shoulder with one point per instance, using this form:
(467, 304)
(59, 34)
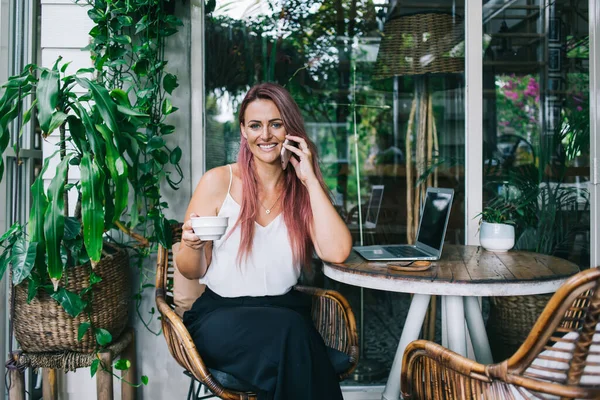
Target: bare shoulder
(210, 192)
(214, 181)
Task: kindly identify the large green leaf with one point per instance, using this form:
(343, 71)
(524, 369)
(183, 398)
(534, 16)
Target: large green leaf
(54, 221)
(118, 171)
(71, 302)
(38, 206)
(57, 120)
(77, 131)
(47, 95)
(93, 137)
(72, 228)
(4, 260)
(104, 103)
(92, 189)
(22, 259)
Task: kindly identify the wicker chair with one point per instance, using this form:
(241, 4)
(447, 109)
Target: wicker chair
(559, 359)
(331, 312)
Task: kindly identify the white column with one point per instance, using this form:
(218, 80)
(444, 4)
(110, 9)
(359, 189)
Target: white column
(198, 164)
(594, 26)
(473, 119)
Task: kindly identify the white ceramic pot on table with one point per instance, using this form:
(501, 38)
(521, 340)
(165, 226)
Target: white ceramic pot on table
(497, 237)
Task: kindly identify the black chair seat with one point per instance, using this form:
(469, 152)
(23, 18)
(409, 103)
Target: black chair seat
(339, 360)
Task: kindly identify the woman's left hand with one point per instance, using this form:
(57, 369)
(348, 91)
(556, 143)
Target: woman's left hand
(303, 165)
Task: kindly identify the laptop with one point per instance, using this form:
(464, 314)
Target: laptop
(373, 207)
(435, 214)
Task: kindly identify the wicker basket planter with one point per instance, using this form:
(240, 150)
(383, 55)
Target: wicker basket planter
(44, 326)
(511, 319)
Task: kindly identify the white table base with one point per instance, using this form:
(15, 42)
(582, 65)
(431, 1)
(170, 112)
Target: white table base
(412, 328)
(457, 309)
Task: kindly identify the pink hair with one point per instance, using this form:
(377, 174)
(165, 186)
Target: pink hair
(297, 212)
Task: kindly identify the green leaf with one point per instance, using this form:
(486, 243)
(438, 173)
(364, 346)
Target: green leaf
(104, 103)
(141, 68)
(103, 337)
(4, 260)
(93, 137)
(82, 329)
(57, 119)
(122, 39)
(144, 379)
(131, 112)
(125, 20)
(16, 227)
(94, 367)
(77, 131)
(54, 220)
(167, 129)
(94, 279)
(122, 365)
(167, 107)
(47, 94)
(23, 259)
(175, 156)
(120, 97)
(156, 143)
(92, 189)
(65, 66)
(71, 302)
(118, 171)
(72, 228)
(170, 83)
(32, 288)
(39, 206)
(141, 24)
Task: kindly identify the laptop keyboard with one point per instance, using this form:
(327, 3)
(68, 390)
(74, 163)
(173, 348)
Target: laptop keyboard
(405, 251)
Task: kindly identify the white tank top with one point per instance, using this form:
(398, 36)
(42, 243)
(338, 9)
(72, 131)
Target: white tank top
(269, 269)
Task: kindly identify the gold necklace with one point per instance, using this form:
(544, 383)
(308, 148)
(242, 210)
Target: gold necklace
(268, 210)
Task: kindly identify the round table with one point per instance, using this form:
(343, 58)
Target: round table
(459, 277)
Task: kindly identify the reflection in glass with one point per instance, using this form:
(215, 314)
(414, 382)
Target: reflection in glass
(399, 69)
(536, 140)
(536, 122)
(381, 87)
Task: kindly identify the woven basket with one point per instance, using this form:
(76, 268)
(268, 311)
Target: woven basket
(44, 326)
(510, 321)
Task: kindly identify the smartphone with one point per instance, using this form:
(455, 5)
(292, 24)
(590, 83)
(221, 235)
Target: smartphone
(286, 154)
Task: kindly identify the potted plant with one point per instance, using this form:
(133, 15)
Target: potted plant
(496, 232)
(70, 278)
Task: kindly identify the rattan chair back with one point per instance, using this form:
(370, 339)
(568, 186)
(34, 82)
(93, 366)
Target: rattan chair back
(331, 313)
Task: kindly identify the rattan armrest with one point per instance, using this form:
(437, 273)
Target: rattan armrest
(335, 320)
(431, 371)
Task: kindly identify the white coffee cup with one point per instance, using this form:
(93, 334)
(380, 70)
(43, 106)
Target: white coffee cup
(209, 228)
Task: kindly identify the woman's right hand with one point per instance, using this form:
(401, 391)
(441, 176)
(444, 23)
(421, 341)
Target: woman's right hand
(189, 238)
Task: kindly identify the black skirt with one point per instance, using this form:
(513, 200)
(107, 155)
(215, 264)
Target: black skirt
(269, 342)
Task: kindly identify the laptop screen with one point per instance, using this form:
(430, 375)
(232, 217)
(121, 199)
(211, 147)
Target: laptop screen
(434, 218)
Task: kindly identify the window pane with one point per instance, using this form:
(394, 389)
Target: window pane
(536, 125)
(536, 119)
(381, 89)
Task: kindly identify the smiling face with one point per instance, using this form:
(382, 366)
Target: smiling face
(263, 129)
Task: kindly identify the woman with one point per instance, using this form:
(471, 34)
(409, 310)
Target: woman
(250, 323)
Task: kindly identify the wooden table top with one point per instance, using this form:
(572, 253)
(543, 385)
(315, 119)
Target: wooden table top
(462, 271)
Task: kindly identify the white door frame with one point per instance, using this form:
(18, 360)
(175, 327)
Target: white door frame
(594, 27)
